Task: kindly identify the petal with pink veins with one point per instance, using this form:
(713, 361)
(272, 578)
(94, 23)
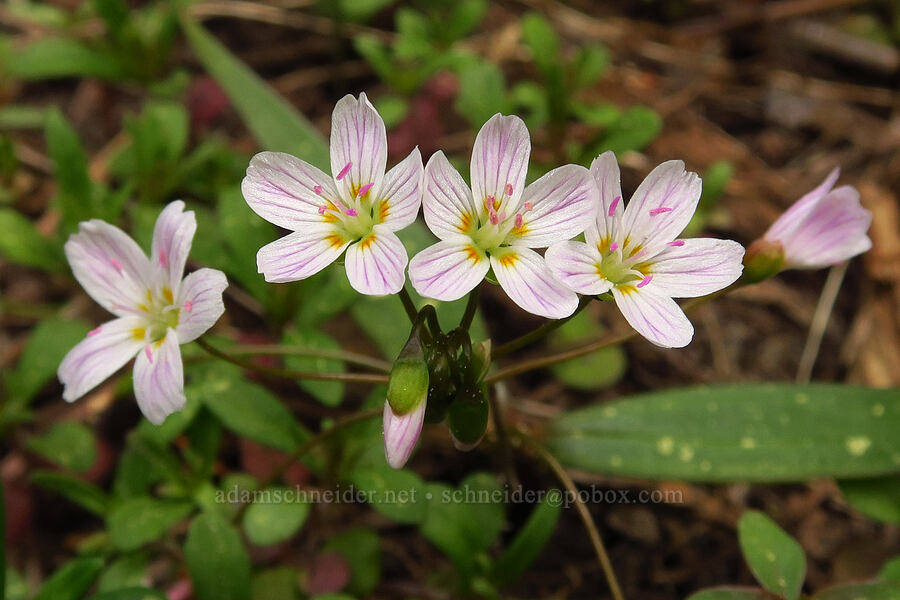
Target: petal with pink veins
(159, 379)
(449, 269)
(401, 193)
(110, 266)
(287, 191)
(655, 316)
(200, 301)
(105, 350)
(798, 211)
(608, 224)
(576, 265)
(301, 254)
(401, 434)
(561, 204)
(376, 265)
(500, 162)
(172, 237)
(358, 145)
(447, 200)
(696, 267)
(527, 280)
(662, 206)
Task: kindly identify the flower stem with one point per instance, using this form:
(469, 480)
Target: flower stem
(471, 309)
(583, 512)
(376, 378)
(376, 364)
(536, 334)
(408, 305)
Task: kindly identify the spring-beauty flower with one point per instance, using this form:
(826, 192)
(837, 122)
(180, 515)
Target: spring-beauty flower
(407, 397)
(357, 210)
(632, 252)
(825, 227)
(497, 223)
(155, 309)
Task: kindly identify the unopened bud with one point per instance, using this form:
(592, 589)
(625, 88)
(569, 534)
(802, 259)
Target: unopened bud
(763, 259)
(468, 417)
(408, 385)
(401, 434)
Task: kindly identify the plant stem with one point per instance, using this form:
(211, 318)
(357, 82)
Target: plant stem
(376, 378)
(354, 358)
(308, 445)
(583, 512)
(408, 305)
(536, 334)
(509, 465)
(471, 309)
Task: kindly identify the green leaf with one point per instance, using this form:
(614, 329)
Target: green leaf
(132, 593)
(329, 393)
(464, 16)
(138, 521)
(877, 497)
(636, 128)
(776, 559)
(275, 124)
(275, 516)
(68, 444)
(360, 11)
(529, 542)
(594, 371)
(55, 57)
(127, 571)
(362, 550)
(22, 244)
(395, 494)
(590, 64)
(78, 491)
(277, 583)
(890, 571)
(71, 581)
(22, 117)
(241, 229)
(728, 593)
(216, 560)
(75, 195)
(748, 432)
(861, 591)
(541, 39)
(246, 408)
(16, 587)
(391, 108)
(482, 91)
(48, 344)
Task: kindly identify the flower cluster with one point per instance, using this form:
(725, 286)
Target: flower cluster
(494, 227)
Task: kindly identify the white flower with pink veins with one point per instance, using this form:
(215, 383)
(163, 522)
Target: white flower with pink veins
(156, 309)
(632, 252)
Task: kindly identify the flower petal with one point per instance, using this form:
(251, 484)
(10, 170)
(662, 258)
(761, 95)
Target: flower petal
(575, 265)
(159, 379)
(662, 206)
(376, 265)
(401, 434)
(833, 231)
(656, 317)
(525, 278)
(695, 268)
(608, 224)
(287, 191)
(358, 139)
(401, 193)
(301, 254)
(798, 211)
(201, 303)
(449, 269)
(100, 355)
(172, 237)
(110, 266)
(500, 162)
(562, 204)
(447, 200)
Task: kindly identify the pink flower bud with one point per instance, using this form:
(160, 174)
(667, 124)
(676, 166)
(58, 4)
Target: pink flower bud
(401, 434)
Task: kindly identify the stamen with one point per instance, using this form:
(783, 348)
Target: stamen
(677, 243)
(95, 331)
(318, 190)
(613, 246)
(163, 262)
(344, 171)
(519, 221)
(364, 189)
(659, 211)
(528, 206)
(503, 216)
(494, 217)
(116, 264)
(351, 212)
(509, 189)
(613, 205)
(645, 281)
(148, 353)
(323, 209)
(188, 306)
(489, 202)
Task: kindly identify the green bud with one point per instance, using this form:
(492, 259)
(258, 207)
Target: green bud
(481, 359)
(408, 384)
(468, 417)
(763, 259)
(440, 390)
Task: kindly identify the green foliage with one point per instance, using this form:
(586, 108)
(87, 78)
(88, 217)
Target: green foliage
(138, 521)
(274, 517)
(76, 196)
(594, 371)
(329, 393)
(890, 571)
(72, 580)
(748, 432)
(529, 542)
(860, 591)
(68, 444)
(482, 91)
(78, 491)
(360, 547)
(132, 593)
(728, 593)
(21, 243)
(777, 561)
(876, 497)
(127, 571)
(216, 559)
(278, 583)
